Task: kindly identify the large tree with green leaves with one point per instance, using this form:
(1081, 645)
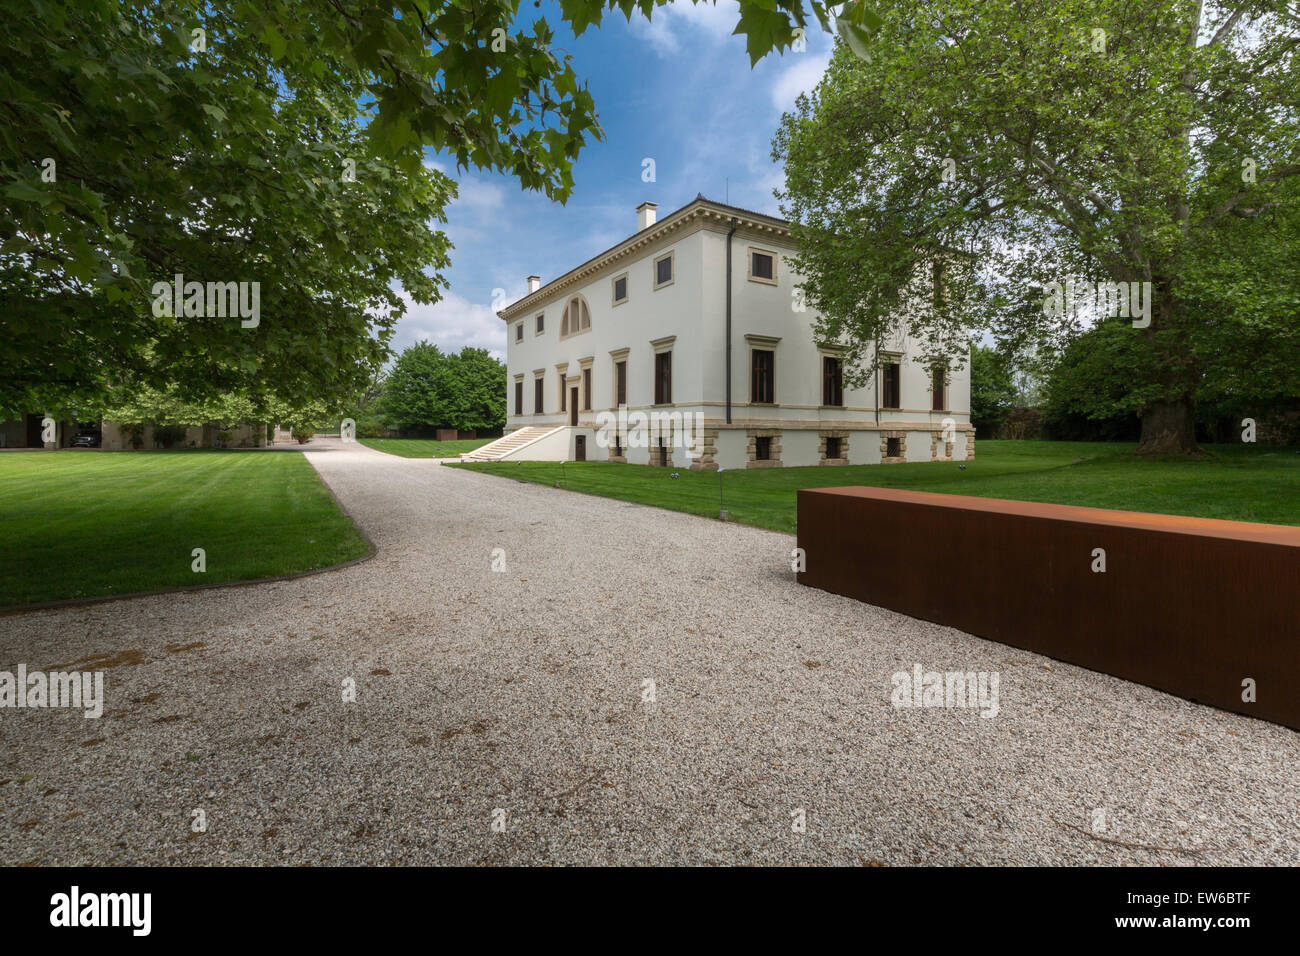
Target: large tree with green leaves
(281, 142)
(428, 389)
(1017, 143)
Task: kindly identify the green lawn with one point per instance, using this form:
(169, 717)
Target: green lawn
(1237, 482)
(424, 447)
(86, 523)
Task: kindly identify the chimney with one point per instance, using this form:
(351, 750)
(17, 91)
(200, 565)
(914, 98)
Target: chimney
(645, 215)
(534, 283)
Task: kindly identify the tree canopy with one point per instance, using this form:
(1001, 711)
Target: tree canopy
(279, 142)
(1013, 144)
(428, 389)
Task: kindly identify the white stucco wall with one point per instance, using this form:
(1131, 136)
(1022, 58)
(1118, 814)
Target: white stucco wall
(693, 309)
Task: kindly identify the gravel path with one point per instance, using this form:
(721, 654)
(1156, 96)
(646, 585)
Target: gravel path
(523, 690)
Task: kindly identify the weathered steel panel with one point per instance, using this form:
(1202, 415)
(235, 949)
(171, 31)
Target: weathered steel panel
(1191, 606)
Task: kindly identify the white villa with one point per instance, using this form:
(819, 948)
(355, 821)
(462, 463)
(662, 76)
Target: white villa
(681, 346)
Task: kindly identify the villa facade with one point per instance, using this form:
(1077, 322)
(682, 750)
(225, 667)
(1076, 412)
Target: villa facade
(686, 345)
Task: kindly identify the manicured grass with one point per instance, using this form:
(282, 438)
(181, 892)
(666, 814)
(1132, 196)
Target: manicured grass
(1237, 482)
(424, 447)
(88, 523)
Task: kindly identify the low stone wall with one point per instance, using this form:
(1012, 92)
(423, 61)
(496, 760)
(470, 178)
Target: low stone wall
(1200, 608)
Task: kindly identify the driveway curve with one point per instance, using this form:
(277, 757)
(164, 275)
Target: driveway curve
(629, 686)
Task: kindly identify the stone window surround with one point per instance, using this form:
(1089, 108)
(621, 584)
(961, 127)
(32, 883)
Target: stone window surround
(584, 306)
(584, 365)
(616, 356)
(835, 352)
(627, 289)
(654, 270)
(562, 371)
(885, 435)
(891, 357)
(749, 267)
(752, 447)
(764, 343)
(843, 436)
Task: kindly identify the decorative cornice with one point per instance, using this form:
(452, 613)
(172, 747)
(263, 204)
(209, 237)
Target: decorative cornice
(705, 212)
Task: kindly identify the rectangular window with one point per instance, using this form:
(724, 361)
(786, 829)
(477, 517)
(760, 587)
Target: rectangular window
(940, 397)
(541, 323)
(762, 266)
(893, 447)
(762, 449)
(620, 289)
(620, 383)
(763, 376)
(519, 332)
(537, 395)
(563, 408)
(519, 397)
(663, 378)
(832, 381)
(664, 270)
(833, 448)
(586, 389)
(891, 385)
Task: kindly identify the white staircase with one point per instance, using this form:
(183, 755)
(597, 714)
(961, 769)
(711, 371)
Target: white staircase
(507, 445)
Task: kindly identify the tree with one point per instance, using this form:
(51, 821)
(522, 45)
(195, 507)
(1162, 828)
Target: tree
(1089, 395)
(281, 142)
(1015, 144)
(479, 393)
(992, 389)
(427, 389)
(420, 389)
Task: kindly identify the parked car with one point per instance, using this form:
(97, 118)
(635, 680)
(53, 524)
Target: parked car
(86, 439)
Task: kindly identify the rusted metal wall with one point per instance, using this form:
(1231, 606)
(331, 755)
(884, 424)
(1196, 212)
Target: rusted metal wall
(1190, 606)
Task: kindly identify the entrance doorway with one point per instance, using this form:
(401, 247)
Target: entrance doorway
(580, 447)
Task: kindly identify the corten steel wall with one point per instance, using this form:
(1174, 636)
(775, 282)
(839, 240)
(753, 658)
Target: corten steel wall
(1191, 606)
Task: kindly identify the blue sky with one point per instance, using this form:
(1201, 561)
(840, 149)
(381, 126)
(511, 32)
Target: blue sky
(678, 90)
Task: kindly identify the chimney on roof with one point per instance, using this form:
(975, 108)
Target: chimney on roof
(534, 283)
(645, 215)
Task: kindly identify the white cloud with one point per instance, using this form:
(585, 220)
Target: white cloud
(801, 76)
(671, 26)
(479, 196)
(451, 324)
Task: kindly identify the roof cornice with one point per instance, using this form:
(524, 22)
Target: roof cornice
(706, 212)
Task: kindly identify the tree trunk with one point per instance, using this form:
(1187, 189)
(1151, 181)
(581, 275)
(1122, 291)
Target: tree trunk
(1169, 428)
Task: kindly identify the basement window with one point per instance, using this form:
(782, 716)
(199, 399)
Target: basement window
(833, 448)
(893, 447)
(763, 449)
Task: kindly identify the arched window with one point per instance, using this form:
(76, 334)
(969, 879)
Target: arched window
(576, 318)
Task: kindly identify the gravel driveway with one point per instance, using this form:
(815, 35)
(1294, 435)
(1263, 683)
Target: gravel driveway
(522, 691)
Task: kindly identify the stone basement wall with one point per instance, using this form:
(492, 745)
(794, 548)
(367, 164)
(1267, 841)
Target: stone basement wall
(708, 459)
(940, 450)
(843, 436)
(884, 447)
(772, 433)
(667, 435)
